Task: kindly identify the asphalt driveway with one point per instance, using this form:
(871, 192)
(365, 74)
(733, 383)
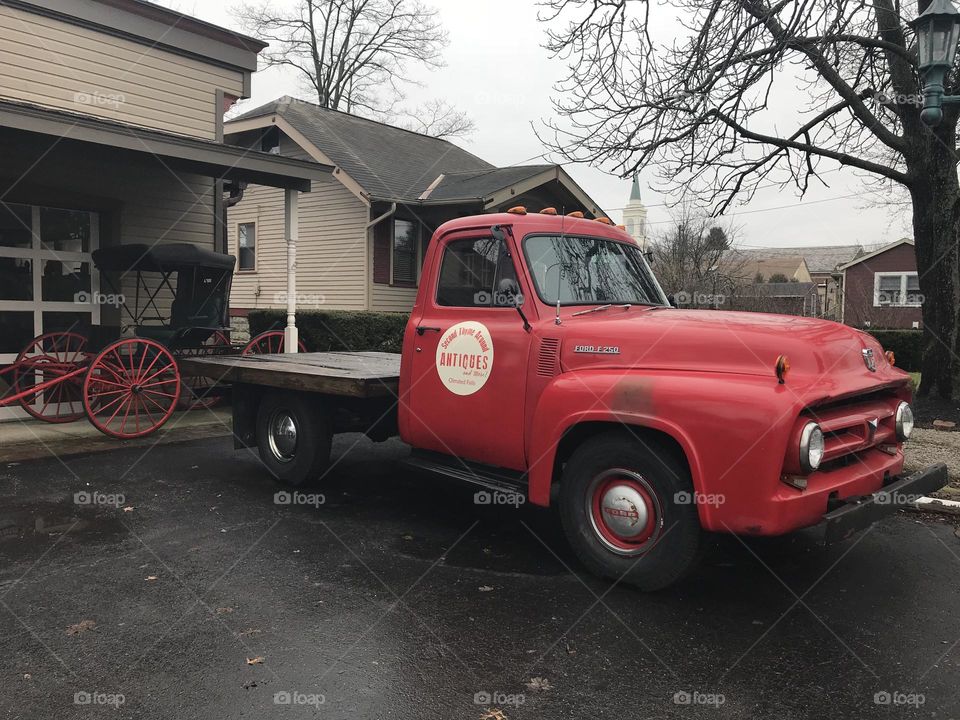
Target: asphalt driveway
(175, 583)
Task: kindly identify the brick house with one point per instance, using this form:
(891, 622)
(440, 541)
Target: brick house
(882, 290)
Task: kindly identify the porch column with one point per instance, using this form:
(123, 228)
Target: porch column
(291, 216)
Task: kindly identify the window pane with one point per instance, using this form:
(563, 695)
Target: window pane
(16, 278)
(913, 290)
(78, 322)
(888, 290)
(404, 252)
(65, 230)
(247, 246)
(65, 281)
(476, 273)
(16, 330)
(15, 224)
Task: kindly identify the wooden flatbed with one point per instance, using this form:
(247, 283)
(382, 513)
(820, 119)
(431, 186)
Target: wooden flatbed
(348, 374)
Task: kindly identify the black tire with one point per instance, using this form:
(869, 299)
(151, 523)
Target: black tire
(304, 459)
(673, 548)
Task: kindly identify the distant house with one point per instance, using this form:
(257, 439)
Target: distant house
(822, 263)
(882, 290)
(362, 239)
(761, 269)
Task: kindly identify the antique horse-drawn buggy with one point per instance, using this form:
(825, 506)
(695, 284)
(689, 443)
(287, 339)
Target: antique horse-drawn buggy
(124, 377)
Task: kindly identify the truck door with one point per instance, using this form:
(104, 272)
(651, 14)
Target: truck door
(469, 361)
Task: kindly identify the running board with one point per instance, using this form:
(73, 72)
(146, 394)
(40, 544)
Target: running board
(490, 478)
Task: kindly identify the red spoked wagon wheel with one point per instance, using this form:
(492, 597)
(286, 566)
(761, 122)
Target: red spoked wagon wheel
(46, 358)
(269, 342)
(131, 388)
(196, 391)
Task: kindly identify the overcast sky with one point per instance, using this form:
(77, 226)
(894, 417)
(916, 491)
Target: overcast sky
(497, 71)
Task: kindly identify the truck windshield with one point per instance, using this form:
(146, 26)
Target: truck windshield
(587, 270)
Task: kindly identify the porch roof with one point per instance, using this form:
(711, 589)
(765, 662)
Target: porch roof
(179, 152)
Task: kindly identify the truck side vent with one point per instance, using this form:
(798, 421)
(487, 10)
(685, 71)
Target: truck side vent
(548, 360)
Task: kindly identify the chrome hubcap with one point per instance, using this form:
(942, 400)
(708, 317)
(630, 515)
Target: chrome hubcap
(282, 434)
(624, 511)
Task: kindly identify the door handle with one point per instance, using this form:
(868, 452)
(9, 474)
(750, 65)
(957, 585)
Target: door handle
(421, 329)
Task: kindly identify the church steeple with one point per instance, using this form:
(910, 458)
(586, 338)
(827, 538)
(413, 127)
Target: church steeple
(635, 215)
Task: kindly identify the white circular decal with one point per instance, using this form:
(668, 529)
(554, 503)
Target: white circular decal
(465, 357)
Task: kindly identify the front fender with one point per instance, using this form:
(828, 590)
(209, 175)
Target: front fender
(732, 428)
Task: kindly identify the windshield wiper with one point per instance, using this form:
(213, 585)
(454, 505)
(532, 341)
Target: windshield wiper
(598, 308)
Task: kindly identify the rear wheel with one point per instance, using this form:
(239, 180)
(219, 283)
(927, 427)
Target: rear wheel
(269, 342)
(293, 437)
(46, 358)
(628, 513)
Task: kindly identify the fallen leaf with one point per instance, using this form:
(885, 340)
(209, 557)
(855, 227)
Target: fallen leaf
(128, 508)
(494, 714)
(258, 660)
(224, 610)
(539, 684)
(249, 631)
(81, 627)
(249, 684)
(407, 537)
(27, 676)
(485, 588)
(150, 578)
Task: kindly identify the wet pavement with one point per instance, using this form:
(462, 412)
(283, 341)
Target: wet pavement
(175, 583)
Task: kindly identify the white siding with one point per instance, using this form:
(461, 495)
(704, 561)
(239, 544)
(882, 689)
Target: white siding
(392, 299)
(331, 251)
(55, 64)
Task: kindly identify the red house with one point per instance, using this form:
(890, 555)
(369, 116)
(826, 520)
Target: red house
(882, 290)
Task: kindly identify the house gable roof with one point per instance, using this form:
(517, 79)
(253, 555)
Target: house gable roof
(819, 258)
(390, 163)
(885, 248)
(481, 184)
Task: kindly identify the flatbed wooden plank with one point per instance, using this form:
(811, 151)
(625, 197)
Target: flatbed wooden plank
(362, 374)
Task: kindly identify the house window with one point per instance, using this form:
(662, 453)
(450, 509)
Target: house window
(405, 252)
(896, 290)
(247, 246)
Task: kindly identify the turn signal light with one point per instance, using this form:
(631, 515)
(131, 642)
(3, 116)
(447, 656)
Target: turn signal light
(604, 220)
(782, 368)
(576, 214)
(548, 211)
(518, 210)
(891, 358)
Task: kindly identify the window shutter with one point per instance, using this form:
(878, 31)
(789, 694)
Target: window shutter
(381, 251)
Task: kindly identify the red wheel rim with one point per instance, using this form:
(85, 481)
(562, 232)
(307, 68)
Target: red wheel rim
(131, 388)
(268, 343)
(47, 357)
(625, 512)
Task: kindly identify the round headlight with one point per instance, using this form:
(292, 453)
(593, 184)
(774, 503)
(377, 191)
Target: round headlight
(904, 421)
(811, 447)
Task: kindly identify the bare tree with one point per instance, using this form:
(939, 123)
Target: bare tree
(694, 261)
(353, 54)
(697, 108)
(439, 119)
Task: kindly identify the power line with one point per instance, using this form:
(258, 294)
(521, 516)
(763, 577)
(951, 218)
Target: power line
(778, 207)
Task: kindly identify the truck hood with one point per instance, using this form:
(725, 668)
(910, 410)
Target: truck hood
(716, 341)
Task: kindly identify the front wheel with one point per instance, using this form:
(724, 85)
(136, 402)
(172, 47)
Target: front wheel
(627, 510)
(293, 437)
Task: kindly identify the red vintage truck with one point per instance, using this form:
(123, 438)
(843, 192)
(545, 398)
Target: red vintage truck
(543, 360)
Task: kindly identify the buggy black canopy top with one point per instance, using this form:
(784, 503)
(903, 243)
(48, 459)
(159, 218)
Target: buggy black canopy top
(166, 257)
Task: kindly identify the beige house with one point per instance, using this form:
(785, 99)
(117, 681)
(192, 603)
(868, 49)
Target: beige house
(111, 132)
(363, 237)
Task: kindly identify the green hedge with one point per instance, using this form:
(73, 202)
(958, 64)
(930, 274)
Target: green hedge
(325, 330)
(906, 346)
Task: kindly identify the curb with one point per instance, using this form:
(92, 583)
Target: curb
(938, 505)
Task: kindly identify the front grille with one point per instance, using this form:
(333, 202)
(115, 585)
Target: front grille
(854, 426)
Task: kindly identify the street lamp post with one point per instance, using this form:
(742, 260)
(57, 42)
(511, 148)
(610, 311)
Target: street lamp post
(937, 30)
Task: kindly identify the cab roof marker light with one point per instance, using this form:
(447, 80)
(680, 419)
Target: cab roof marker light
(575, 214)
(891, 358)
(548, 211)
(518, 210)
(604, 220)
